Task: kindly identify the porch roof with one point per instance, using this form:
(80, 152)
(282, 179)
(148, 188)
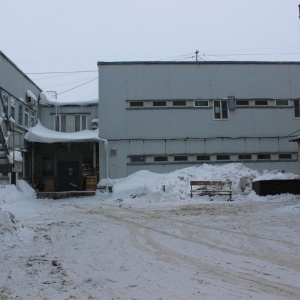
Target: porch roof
(41, 134)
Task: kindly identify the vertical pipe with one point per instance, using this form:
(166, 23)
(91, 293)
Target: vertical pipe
(32, 165)
(94, 158)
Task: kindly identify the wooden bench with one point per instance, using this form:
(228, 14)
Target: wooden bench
(212, 188)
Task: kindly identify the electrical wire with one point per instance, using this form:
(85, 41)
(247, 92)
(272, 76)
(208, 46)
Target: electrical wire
(77, 86)
(61, 72)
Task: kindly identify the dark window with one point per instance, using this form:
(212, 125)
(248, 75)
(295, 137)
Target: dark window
(261, 102)
(161, 158)
(244, 156)
(285, 156)
(138, 159)
(263, 156)
(242, 102)
(201, 103)
(220, 109)
(223, 157)
(281, 102)
(180, 158)
(179, 103)
(21, 114)
(47, 165)
(203, 157)
(297, 108)
(159, 103)
(136, 103)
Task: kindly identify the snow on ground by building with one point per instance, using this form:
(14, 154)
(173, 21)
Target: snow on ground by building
(149, 239)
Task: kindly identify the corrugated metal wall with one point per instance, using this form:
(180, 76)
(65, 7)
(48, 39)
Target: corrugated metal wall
(120, 83)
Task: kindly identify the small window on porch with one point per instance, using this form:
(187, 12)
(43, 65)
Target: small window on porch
(47, 166)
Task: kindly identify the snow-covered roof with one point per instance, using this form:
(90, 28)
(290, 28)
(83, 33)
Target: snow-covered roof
(41, 134)
(31, 95)
(295, 139)
(46, 99)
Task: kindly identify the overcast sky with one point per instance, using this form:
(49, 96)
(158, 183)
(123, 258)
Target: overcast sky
(44, 36)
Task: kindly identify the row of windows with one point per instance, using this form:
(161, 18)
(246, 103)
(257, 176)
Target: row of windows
(206, 103)
(17, 109)
(77, 122)
(220, 107)
(208, 158)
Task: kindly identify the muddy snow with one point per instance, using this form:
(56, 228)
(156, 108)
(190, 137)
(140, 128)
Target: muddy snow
(147, 242)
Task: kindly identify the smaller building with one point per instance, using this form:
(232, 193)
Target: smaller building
(64, 145)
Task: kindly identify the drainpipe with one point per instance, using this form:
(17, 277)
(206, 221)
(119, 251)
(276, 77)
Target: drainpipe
(32, 165)
(105, 142)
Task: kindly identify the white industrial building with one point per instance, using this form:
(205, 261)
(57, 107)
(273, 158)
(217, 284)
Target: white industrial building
(163, 116)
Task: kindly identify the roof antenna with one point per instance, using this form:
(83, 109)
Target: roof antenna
(197, 51)
(299, 10)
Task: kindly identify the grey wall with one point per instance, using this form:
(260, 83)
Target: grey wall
(47, 114)
(121, 82)
(14, 81)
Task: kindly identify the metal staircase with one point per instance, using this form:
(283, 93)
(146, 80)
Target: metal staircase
(6, 164)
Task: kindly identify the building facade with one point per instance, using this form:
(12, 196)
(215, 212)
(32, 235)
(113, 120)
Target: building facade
(162, 116)
(19, 111)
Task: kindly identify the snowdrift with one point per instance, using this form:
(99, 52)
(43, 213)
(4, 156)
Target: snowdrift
(175, 186)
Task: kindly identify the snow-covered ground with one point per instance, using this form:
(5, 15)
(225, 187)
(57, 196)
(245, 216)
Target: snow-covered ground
(150, 240)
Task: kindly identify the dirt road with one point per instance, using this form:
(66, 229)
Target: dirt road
(91, 250)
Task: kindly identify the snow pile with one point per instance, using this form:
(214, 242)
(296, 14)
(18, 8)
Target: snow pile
(8, 222)
(175, 186)
(12, 196)
(276, 175)
(25, 188)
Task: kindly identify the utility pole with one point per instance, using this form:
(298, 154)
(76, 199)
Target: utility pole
(197, 51)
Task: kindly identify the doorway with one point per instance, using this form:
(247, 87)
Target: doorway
(68, 176)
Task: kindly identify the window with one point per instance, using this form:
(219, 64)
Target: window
(180, 158)
(179, 103)
(80, 122)
(220, 109)
(160, 158)
(203, 157)
(297, 108)
(32, 119)
(223, 157)
(20, 120)
(263, 156)
(26, 117)
(242, 102)
(136, 104)
(61, 123)
(285, 156)
(159, 103)
(261, 102)
(5, 101)
(201, 103)
(281, 102)
(244, 156)
(13, 107)
(138, 159)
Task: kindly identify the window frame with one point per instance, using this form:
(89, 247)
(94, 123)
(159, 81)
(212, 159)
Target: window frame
(82, 122)
(197, 103)
(60, 123)
(223, 110)
(297, 108)
(179, 103)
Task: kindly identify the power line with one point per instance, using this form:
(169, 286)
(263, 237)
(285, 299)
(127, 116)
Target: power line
(67, 83)
(62, 72)
(77, 86)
